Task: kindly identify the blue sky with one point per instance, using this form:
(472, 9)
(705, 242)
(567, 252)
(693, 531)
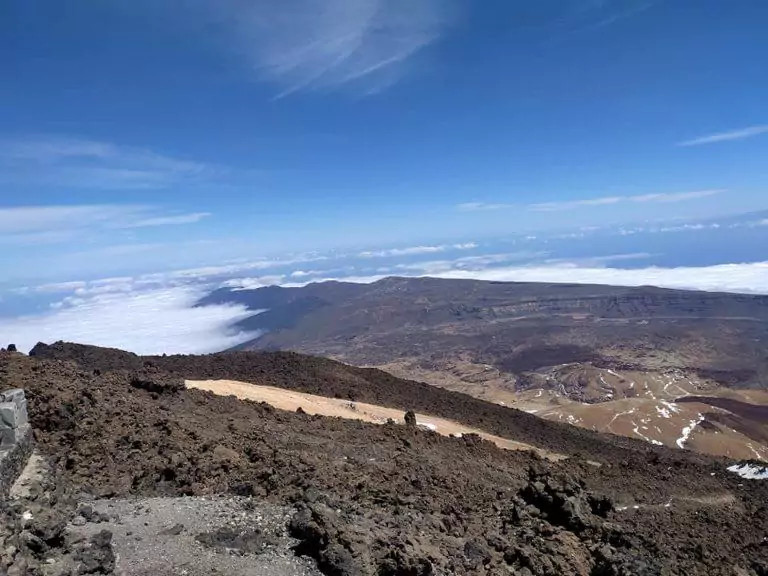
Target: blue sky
(139, 137)
(237, 128)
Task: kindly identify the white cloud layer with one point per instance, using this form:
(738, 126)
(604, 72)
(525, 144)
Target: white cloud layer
(150, 322)
(151, 316)
(751, 278)
(743, 278)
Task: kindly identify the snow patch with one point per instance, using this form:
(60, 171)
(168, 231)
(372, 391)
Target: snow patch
(428, 426)
(671, 406)
(686, 433)
(667, 409)
(632, 411)
(750, 471)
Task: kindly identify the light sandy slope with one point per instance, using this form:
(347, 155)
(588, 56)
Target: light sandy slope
(312, 404)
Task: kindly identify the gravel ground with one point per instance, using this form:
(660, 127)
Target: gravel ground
(162, 537)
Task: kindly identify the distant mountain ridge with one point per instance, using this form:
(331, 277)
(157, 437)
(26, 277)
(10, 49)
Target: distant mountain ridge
(328, 311)
(601, 357)
(304, 314)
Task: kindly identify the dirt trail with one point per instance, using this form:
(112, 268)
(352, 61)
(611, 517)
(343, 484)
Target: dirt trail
(312, 404)
(197, 536)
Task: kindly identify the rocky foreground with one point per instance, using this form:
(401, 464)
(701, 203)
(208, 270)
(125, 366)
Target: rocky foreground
(354, 498)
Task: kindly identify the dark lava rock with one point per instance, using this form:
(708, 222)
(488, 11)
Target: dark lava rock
(564, 502)
(398, 564)
(97, 557)
(477, 553)
(173, 530)
(49, 526)
(381, 499)
(153, 380)
(410, 418)
(314, 527)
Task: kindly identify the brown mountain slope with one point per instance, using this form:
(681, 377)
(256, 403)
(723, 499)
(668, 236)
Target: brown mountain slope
(572, 353)
(333, 379)
(372, 500)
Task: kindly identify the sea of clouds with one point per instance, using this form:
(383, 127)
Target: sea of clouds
(157, 315)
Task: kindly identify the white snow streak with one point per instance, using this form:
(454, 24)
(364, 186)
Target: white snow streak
(750, 471)
(651, 440)
(687, 431)
(632, 411)
(667, 410)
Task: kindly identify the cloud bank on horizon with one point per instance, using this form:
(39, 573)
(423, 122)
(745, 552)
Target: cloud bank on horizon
(156, 321)
(157, 316)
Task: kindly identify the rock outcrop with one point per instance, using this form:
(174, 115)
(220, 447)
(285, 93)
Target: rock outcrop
(15, 438)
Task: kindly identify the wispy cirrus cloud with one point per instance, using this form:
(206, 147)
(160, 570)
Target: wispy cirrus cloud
(554, 206)
(608, 200)
(33, 219)
(593, 15)
(675, 196)
(193, 218)
(38, 225)
(37, 238)
(669, 197)
(325, 44)
(72, 162)
(483, 206)
(729, 136)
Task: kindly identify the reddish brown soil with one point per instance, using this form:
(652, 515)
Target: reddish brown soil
(390, 499)
(324, 377)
